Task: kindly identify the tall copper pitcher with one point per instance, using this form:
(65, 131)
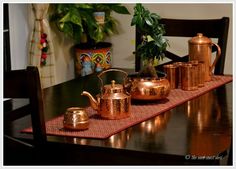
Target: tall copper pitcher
(200, 48)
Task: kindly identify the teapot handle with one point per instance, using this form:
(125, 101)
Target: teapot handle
(112, 70)
(217, 56)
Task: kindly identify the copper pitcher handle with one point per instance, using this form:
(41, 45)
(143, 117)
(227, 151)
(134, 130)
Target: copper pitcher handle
(217, 56)
(111, 70)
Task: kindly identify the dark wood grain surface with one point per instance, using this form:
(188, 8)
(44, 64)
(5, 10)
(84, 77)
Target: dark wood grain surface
(198, 131)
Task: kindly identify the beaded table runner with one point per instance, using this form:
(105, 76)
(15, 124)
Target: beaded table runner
(102, 128)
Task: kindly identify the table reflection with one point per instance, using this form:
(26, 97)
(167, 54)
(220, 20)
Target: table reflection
(149, 129)
(76, 140)
(205, 117)
(155, 124)
(119, 140)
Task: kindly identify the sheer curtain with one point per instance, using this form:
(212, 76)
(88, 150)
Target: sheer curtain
(41, 52)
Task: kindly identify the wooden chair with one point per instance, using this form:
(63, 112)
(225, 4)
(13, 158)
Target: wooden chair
(25, 84)
(17, 152)
(211, 28)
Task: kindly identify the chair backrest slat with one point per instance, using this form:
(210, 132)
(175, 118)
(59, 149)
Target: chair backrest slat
(189, 28)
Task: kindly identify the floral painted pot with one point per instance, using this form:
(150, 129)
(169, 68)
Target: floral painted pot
(99, 56)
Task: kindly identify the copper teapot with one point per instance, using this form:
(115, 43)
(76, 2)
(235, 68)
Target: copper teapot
(200, 48)
(113, 102)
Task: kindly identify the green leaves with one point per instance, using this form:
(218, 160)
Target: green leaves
(148, 19)
(149, 25)
(84, 6)
(139, 9)
(77, 19)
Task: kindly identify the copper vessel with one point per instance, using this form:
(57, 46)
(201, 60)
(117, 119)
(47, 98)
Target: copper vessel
(76, 118)
(189, 77)
(178, 65)
(149, 88)
(200, 48)
(113, 102)
(172, 75)
(200, 70)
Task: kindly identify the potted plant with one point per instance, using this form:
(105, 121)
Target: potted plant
(153, 44)
(83, 23)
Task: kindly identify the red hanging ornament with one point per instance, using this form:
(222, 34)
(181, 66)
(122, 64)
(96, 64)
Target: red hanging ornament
(43, 35)
(44, 47)
(44, 55)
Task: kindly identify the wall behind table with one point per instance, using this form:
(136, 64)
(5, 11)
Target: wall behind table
(19, 31)
(123, 43)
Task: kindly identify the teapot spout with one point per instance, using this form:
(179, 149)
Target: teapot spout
(93, 102)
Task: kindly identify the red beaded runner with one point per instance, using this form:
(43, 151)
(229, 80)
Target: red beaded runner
(102, 128)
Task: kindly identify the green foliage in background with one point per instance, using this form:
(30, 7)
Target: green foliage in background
(148, 24)
(77, 20)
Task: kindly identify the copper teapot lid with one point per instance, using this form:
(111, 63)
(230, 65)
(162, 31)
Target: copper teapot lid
(113, 88)
(200, 39)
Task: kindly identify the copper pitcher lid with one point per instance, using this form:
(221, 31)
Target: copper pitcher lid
(113, 88)
(200, 39)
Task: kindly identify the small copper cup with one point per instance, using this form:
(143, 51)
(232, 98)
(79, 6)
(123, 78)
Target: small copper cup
(76, 118)
(189, 77)
(172, 75)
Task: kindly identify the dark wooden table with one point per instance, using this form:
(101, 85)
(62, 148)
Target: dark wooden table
(198, 131)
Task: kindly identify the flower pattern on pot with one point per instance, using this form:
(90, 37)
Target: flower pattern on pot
(101, 56)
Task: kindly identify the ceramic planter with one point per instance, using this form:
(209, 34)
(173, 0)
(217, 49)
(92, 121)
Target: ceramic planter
(93, 58)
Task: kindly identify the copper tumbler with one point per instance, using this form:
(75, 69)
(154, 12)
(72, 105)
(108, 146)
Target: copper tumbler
(189, 77)
(172, 75)
(195, 64)
(179, 64)
(200, 72)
